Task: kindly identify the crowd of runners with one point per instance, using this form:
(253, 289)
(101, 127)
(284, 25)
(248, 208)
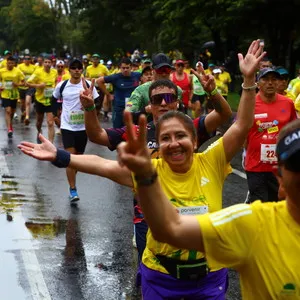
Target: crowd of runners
(164, 111)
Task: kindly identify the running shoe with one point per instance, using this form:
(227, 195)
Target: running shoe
(73, 195)
(10, 133)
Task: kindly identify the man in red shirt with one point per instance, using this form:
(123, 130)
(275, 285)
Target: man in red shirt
(272, 112)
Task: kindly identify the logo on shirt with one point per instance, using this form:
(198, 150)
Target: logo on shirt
(261, 116)
(265, 125)
(204, 181)
(289, 289)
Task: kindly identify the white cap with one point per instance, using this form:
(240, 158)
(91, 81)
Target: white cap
(199, 63)
(84, 57)
(60, 62)
(101, 61)
(217, 71)
(109, 62)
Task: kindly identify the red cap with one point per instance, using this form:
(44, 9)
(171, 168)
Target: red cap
(179, 61)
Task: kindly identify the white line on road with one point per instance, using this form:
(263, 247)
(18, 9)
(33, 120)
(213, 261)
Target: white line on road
(39, 290)
(239, 173)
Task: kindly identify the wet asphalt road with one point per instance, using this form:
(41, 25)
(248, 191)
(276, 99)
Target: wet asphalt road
(50, 250)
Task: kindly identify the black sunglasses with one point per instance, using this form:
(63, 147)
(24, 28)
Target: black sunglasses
(74, 68)
(168, 97)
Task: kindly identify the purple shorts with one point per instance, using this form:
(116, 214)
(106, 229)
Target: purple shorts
(160, 286)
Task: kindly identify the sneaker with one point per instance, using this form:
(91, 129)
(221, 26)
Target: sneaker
(10, 133)
(15, 116)
(38, 139)
(57, 131)
(26, 121)
(73, 195)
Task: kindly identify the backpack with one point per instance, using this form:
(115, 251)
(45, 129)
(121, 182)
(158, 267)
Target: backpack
(62, 87)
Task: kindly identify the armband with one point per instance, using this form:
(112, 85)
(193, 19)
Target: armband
(213, 92)
(249, 88)
(146, 181)
(91, 108)
(62, 159)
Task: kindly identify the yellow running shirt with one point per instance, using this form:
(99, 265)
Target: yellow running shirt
(8, 77)
(262, 242)
(100, 70)
(27, 71)
(197, 191)
(44, 95)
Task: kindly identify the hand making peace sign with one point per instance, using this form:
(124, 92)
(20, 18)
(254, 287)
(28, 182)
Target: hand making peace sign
(134, 153)
(86, 96)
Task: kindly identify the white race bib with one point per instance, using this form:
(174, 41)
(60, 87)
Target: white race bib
(76, 117)
(48, 92)
(193, 210)
(8, 85)
(268, 153)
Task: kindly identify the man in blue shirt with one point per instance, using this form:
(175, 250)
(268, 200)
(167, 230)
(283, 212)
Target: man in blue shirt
(123, 83)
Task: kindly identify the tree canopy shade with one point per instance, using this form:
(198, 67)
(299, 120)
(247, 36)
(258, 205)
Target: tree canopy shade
(156, 25)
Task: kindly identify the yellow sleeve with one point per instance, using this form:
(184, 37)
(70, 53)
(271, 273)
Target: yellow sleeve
(297, 103)
(21, 75)
(215, 156)
(229, 234)
(33, 78)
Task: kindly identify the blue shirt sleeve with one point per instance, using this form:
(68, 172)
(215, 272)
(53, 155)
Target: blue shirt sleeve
(111, 78)
(202, 133)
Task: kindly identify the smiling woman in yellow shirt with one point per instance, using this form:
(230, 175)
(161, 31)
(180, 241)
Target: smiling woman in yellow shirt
(44, 81)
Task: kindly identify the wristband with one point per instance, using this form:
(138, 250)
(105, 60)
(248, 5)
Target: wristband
(62, 159)
(213, 92)
(91, 108)
(146, 181)
(249, 88)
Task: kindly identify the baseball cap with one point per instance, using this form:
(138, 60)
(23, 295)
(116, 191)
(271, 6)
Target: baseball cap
(282, 71)
(146, 69)
(60, 62)
(7, 52)
(289, 145)
(179, 61)
(147, 61)
(109, 62)
(263, 72)
(217, 71)
(211, 65)
(96, 55)
(199, 63)
(161, 60)
(84, 57)
(74, 62)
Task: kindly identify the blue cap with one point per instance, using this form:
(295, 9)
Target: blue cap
(282, 71)
(265, 71)
(288, 145)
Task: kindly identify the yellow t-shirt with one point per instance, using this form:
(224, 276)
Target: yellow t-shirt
(100, 70)
(297, 103)
(208, 72)
(8, 77)
(44, 95)
(262, 242)
(292, 83)
(197, 191)
(3, 63)
(225, 77)
(221, 86)
(27, 71)
(296, 89)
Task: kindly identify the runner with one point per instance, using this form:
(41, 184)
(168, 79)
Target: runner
(283, 82)
(44, 81)
(139, 100)
(27, 69)
(260, 241)
(3, 63)
(11, 78)
(272, 112)
(95, 71)
(183, 80)
(199, 95)
(147, 75)
(123, 84)
(72, 119)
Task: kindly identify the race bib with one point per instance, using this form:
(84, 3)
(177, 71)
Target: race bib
(268, 153)
(8, 85)
(193, 210)
(48, 92)
(76, 117)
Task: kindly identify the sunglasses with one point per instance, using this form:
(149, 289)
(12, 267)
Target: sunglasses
(167, 97)
(74, 68)
(163, 70)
